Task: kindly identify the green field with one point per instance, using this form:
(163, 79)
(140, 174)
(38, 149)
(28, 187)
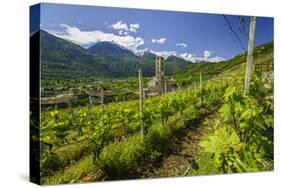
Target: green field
(230, 132)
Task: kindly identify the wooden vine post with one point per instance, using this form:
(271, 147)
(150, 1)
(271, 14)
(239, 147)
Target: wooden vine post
(102, 102)
(141, 101)
(74, 120)
(221, 80)
(200, 87)
(250, 57)
(90, 108)
(165, 88)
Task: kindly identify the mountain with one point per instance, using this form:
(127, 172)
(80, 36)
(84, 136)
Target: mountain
(172, 64)
(262, 53)
(148, 55)
(111, 49)
(175, 64)
(62, 59)
(122, 61)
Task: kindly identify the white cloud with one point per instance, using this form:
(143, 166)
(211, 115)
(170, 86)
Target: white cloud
(165, 54)
(134, 27)
(190, 57)
(159, 41)
(119, 25)
(126, 27)
(208, 54)
(186, 56)
(216, 59)
(182, 45)
(87, 38)
(122, 32)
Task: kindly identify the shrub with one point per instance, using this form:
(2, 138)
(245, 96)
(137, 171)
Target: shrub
(223, 144)
(157, 137)
(71, 174)
(118, 159)
(206, 166)
(55, 160)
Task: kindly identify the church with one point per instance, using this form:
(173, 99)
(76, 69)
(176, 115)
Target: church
(159, 84)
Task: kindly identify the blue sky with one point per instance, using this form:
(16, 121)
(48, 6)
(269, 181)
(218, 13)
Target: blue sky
(183, 34)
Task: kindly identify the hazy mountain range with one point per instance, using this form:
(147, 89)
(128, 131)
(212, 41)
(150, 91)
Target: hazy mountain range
(63, 59)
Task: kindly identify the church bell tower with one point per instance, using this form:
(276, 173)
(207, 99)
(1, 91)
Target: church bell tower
(159, 72)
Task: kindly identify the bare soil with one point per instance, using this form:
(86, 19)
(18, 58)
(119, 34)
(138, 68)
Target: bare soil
(183, 151)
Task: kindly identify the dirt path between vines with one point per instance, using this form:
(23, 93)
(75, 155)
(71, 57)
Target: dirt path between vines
(183, 153)
(183, 150)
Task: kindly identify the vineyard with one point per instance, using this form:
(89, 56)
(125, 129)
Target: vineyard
(116, 141)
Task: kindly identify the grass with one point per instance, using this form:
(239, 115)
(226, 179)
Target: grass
(190, 73)
(122, 159)
(73, 173)
(118, 159)
(63, 157)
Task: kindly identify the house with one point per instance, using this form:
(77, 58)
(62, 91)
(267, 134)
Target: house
(101, 96)
(61, 100)
(51, 92)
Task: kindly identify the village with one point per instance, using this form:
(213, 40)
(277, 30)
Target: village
(100, 92)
